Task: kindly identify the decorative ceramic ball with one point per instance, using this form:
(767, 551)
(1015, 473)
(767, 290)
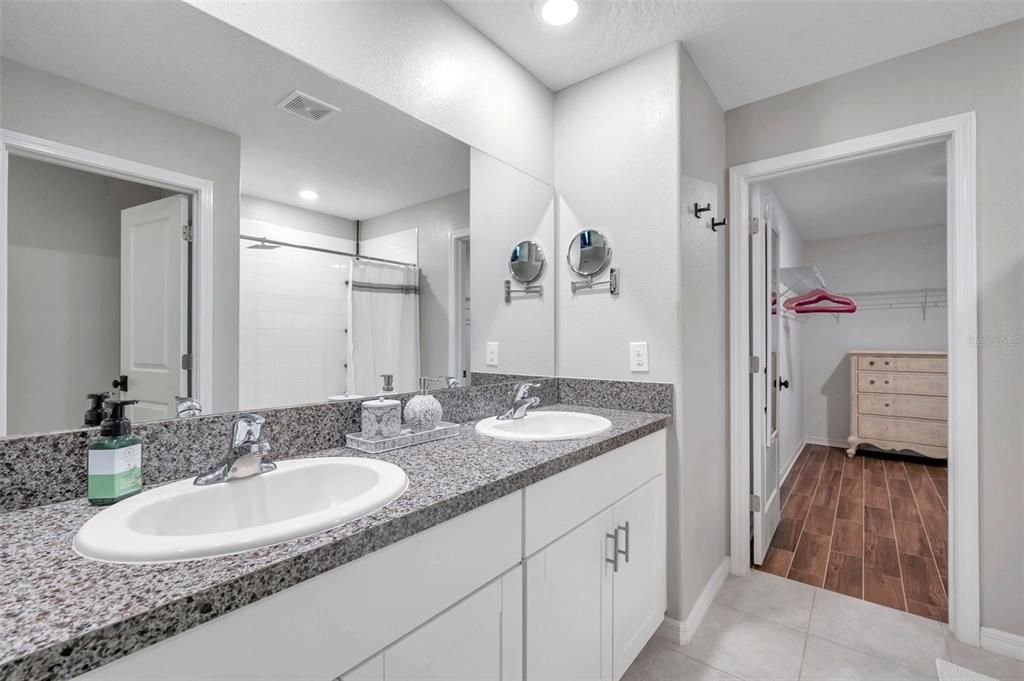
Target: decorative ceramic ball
(422, 412)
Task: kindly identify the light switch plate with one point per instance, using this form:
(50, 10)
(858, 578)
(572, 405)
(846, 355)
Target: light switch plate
(638, 357)
(492, 354)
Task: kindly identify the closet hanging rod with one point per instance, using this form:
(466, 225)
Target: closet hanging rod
(274, 242)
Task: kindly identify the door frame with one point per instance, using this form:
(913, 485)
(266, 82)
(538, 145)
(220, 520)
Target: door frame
(962, 330)
(41, 149)
(456, 319)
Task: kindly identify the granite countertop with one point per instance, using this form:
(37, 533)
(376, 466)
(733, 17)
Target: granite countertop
(64, 615)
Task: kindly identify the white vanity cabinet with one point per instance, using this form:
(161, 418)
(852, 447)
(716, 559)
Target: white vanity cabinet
(524, 587)
(477, 639)
(596, 594)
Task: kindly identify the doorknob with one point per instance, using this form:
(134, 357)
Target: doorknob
(783, 384)
(121, 382)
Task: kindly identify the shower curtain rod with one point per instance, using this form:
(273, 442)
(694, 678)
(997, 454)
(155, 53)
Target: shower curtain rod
(274, 242)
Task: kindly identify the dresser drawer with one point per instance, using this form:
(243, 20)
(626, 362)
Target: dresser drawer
(902, 384)
(933, 365)
(902, 430)
(905, 406)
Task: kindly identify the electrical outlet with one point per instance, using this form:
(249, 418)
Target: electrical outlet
(638, 357)
(492, 354)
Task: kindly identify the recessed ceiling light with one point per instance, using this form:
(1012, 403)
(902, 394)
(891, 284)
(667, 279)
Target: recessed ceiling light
(309, 194)
(557, 12)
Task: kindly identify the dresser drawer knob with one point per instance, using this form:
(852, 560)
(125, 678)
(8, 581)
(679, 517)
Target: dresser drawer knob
(886, 382)
(887, 404)
(871, 382)
(871, 363)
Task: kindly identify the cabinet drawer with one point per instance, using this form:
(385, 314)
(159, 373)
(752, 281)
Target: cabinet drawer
(902, 430)
(557, 504)
(935, 365)
(913, 407)
(903, 384)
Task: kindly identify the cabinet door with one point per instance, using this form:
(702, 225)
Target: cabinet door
(568, 603)
(639, 587)
(478, 639)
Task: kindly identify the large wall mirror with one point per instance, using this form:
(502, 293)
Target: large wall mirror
(193, 213)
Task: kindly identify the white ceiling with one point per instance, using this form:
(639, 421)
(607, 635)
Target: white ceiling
(746, 49)
(367, 160)
(883, 193)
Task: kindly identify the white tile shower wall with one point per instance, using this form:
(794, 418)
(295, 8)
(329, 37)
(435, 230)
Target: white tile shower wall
(293, 314)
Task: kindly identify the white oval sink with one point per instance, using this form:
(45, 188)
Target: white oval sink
(182, 521)
(545, 425)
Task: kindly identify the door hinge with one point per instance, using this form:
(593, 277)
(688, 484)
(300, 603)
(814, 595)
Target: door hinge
(755, 225)
(186, 233)
(755, 503)
(186, 362)
(755, 364)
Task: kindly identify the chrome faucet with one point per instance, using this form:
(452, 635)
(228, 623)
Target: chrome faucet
(187, 406)
(245, 458)
(521, 401)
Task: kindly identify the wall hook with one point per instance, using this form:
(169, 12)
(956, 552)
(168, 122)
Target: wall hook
(715, 224)
(699, 209)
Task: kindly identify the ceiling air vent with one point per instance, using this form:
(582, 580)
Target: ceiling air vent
(304, 106)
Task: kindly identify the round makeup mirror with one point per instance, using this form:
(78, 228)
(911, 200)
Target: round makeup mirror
(589, 253)
(526, 262)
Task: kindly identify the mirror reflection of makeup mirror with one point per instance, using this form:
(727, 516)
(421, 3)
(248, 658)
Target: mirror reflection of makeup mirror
(526, 262)
(589, 253)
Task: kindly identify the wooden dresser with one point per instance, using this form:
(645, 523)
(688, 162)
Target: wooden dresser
(898, 402)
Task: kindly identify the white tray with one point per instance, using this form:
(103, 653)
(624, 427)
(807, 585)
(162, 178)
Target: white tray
(407, 438)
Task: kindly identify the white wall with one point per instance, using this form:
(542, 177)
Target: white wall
(984, 73)
(634, 145)
(294, 217)
(420, 57)
(64, 328)
(54, 108)
(902, 259)
(791, 340)
(431, 224)
(507, 206)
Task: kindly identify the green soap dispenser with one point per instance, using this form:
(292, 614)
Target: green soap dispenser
(115, 459)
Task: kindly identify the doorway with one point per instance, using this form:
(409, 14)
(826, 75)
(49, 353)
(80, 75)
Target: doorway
(458, 308)
(758, 474)
(141, 348)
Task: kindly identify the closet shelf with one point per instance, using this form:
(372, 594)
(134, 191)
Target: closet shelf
(797, 281)
(900, 299)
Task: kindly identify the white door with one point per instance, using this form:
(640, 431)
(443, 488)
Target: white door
(766, 506)
(569, 605)
(154, 307)
(639, 585)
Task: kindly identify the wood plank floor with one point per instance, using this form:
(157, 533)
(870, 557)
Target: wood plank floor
(872, 527)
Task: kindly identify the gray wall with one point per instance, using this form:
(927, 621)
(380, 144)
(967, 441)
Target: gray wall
(633, 146)
(984, 73)
(61, 110)
(255, 208)
(434, 221)
(64, 330)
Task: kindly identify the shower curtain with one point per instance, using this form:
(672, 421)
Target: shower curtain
(384, 326)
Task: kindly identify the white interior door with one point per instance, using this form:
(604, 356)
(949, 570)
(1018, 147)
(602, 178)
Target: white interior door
(766, 506)
(154, 307)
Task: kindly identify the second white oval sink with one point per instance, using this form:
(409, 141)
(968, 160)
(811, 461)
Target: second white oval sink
(545, 425)
(182, 521)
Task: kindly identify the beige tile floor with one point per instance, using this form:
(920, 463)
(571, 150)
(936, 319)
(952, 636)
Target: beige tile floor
(766, 628)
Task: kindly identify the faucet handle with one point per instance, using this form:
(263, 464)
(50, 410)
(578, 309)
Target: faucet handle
(247, 429)
(522, 390)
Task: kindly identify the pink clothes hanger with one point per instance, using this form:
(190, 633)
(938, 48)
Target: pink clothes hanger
(821, 301)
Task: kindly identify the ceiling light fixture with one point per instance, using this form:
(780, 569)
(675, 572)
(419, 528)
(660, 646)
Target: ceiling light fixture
(309, 194)
(557, 12)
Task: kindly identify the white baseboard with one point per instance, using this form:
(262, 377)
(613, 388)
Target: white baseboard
(792, 461)
(682, 632)
(1003, 643)
(842, 444)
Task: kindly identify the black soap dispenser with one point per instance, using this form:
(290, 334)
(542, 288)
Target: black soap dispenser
(95, 414)
(115, 459)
